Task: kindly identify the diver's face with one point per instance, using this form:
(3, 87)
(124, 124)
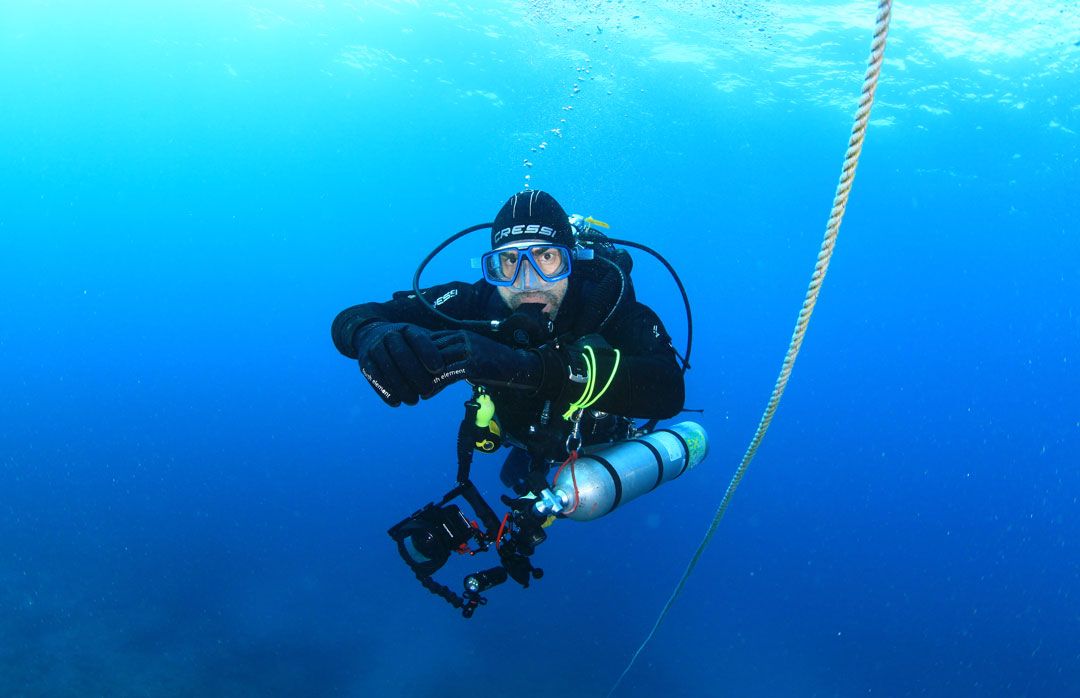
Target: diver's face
(529, 272)
(536, 290)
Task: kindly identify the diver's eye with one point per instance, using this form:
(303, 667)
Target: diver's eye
(508, 261)
(549, 259)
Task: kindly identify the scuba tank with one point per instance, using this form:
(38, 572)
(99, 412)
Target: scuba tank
(607, 476)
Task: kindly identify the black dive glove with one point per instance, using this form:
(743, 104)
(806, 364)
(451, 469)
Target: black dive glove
(486, 362)
(402, 362)
(559, 375)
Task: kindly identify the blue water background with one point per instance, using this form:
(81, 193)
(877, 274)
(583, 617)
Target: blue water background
(196, 486)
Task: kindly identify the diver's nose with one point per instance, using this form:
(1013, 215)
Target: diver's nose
(526, 276)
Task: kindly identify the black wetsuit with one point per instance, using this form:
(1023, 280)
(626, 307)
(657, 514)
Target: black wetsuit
(648, 383)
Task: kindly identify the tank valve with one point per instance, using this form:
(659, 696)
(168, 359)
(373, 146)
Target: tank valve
(551, 503)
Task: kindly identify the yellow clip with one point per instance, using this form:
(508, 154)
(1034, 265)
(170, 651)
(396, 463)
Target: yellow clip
(486, 412)
(592, 221)
(491, 438)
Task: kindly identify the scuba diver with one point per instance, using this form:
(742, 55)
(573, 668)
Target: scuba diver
(561, 356)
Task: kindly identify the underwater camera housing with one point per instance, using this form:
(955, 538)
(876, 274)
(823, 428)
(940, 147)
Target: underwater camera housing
(426, 538)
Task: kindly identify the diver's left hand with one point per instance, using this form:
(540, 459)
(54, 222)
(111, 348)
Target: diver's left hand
(487, 362)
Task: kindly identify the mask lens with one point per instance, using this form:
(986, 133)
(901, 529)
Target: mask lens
(500, 267)
(551, 262)
(508, 264)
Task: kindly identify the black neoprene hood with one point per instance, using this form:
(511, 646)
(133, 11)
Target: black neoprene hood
(532, 215)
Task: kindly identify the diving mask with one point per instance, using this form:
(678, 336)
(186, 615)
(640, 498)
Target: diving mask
(505, 266)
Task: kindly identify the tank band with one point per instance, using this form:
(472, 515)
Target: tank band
(659, 462)
(685, 449)
(614, 478)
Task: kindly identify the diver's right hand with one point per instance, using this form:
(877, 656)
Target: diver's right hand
(401, 362)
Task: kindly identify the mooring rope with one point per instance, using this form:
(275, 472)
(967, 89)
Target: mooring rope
(843, 189)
